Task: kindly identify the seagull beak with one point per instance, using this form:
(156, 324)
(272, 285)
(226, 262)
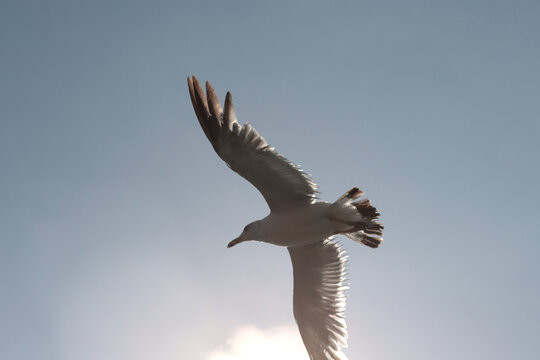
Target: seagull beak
(238, 240)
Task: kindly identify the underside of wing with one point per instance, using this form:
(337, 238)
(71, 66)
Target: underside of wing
(319, 299)
(283, 184)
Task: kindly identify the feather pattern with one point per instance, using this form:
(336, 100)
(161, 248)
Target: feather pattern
(319, 298)
(283, 184)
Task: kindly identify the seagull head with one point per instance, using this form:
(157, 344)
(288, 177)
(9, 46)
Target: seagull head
(251, 232)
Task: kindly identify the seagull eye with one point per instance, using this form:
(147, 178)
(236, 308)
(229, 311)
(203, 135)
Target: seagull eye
(247, 226)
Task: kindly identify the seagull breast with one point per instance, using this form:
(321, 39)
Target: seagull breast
(299, 226)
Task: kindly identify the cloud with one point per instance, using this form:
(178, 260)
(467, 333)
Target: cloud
(250, 342)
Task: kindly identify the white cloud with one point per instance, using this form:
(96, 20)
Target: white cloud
(249, 342)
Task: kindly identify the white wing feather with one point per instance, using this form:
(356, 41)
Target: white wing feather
(319, 298)
(282, 184)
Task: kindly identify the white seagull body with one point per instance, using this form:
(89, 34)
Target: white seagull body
(298, 220)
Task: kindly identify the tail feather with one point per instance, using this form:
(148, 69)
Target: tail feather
(366, 230)
(365, 208)
(373, 232)
(350, 195)
(360, 237)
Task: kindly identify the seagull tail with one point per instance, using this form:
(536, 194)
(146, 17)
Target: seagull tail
(357, 220)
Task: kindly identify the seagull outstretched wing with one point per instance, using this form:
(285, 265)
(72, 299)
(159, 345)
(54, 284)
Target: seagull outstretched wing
(282, 184)
(319, 299)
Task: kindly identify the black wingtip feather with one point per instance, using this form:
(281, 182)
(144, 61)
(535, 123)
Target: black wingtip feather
(229, 116)
(209, 123)
(197, 108)
(213, 104)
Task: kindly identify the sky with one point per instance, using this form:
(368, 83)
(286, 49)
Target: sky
(115, 212)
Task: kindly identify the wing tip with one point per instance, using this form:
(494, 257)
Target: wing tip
(205, 109)
(229, 116)
(213, 104)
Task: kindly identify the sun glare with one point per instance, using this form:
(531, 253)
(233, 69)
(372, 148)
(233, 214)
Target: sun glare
(249, 342)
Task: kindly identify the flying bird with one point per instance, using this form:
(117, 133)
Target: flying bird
(298, 220)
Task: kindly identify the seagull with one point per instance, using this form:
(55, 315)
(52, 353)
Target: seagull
(298, 220)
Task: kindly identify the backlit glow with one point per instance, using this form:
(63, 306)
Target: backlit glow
(249, 342)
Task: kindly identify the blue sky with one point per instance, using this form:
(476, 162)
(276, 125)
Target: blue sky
(115, 211)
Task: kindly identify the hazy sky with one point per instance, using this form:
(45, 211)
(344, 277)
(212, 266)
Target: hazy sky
(115, 212)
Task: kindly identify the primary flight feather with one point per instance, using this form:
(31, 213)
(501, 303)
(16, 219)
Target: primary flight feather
(297, 220)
